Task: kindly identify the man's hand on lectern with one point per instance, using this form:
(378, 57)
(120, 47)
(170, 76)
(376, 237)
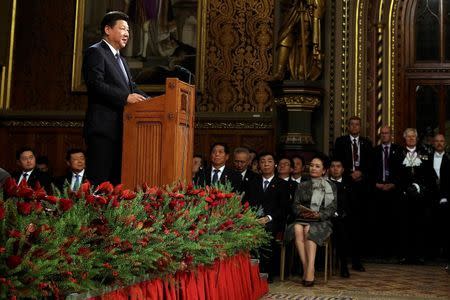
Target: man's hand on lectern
(134, 98)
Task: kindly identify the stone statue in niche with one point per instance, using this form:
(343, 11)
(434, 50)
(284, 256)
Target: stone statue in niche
(299, 44)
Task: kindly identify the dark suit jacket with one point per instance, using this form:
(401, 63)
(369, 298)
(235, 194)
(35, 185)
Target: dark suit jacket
(343, 151)
(249, 175)
(235, 178)
(37, 176)
(395, 152)
(274, 200)
(107, 92)
(343, 200)
(439, 185)
(60, 181)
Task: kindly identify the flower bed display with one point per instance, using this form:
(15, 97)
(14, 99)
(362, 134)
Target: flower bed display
(110, 237)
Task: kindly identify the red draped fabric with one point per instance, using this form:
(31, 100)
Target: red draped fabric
(233, 278)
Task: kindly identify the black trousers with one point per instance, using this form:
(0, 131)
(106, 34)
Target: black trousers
(359, 193)
(341, 239)
(415, 224)
(385, 211)
(104, 159)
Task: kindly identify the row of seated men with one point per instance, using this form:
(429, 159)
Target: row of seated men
(32, 170)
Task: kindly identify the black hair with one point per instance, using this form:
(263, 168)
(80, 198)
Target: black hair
(42, 160)
(225, 147)
(73, 151)
(110, 19)
(299, 157)
(198, 155)
(291, 162)
(323, 158)
(266, 153)
(22, 150)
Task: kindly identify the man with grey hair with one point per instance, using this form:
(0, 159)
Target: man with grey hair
(241, 161)
(414, 186)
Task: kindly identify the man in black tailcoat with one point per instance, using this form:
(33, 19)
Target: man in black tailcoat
(415, 200)
(439, 173)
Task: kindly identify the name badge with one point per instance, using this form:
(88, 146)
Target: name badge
(356, 163)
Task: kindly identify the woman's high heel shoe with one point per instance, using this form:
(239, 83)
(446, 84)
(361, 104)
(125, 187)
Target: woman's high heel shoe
(308, 283)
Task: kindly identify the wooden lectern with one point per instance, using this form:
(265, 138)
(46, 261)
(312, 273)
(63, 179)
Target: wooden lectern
(158, 137)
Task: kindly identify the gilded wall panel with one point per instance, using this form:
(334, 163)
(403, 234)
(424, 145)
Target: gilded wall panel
(239, 56)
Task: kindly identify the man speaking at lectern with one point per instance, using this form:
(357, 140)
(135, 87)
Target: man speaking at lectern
(110, 88)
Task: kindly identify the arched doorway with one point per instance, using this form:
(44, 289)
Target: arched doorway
(425, 85)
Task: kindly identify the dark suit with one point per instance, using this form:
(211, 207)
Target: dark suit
(37, 176)
(108, 91)
(359, 190)
(249, 175)
(60, 181)
(385, 204)
(273, 201)
(415, 215)
(341, 223)
(228, 175)
(440, 212)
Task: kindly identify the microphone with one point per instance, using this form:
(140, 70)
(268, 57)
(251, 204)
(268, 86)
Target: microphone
(186, 72)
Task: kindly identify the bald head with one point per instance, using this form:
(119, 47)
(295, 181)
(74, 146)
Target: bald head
(439, 143)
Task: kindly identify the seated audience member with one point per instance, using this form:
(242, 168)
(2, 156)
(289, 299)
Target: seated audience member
(241, 162)
(197, 167)
(340, 219)
(3, 176)
(268, 195)
(314, 205)
(285, 168)
(254, 166)
(26, 160)
(218, 172)
(298, 169)
(251, 158)
(42, 164)
(76, 161)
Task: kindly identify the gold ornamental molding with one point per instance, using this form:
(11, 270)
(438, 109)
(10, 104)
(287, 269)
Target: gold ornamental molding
(234, 125)
(48, 124)
(295, 138)
(307, 103)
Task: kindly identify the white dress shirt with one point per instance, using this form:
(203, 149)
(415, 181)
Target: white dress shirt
(28, 176)
(437, 161)
(298, 180)
(74, 178)
(219, 174)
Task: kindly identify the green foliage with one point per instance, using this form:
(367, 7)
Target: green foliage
(76, 242)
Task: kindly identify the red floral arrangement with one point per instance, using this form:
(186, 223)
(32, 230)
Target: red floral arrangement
(54, 245)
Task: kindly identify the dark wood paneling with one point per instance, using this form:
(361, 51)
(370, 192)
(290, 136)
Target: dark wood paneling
(51, 142)
(257, 139)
